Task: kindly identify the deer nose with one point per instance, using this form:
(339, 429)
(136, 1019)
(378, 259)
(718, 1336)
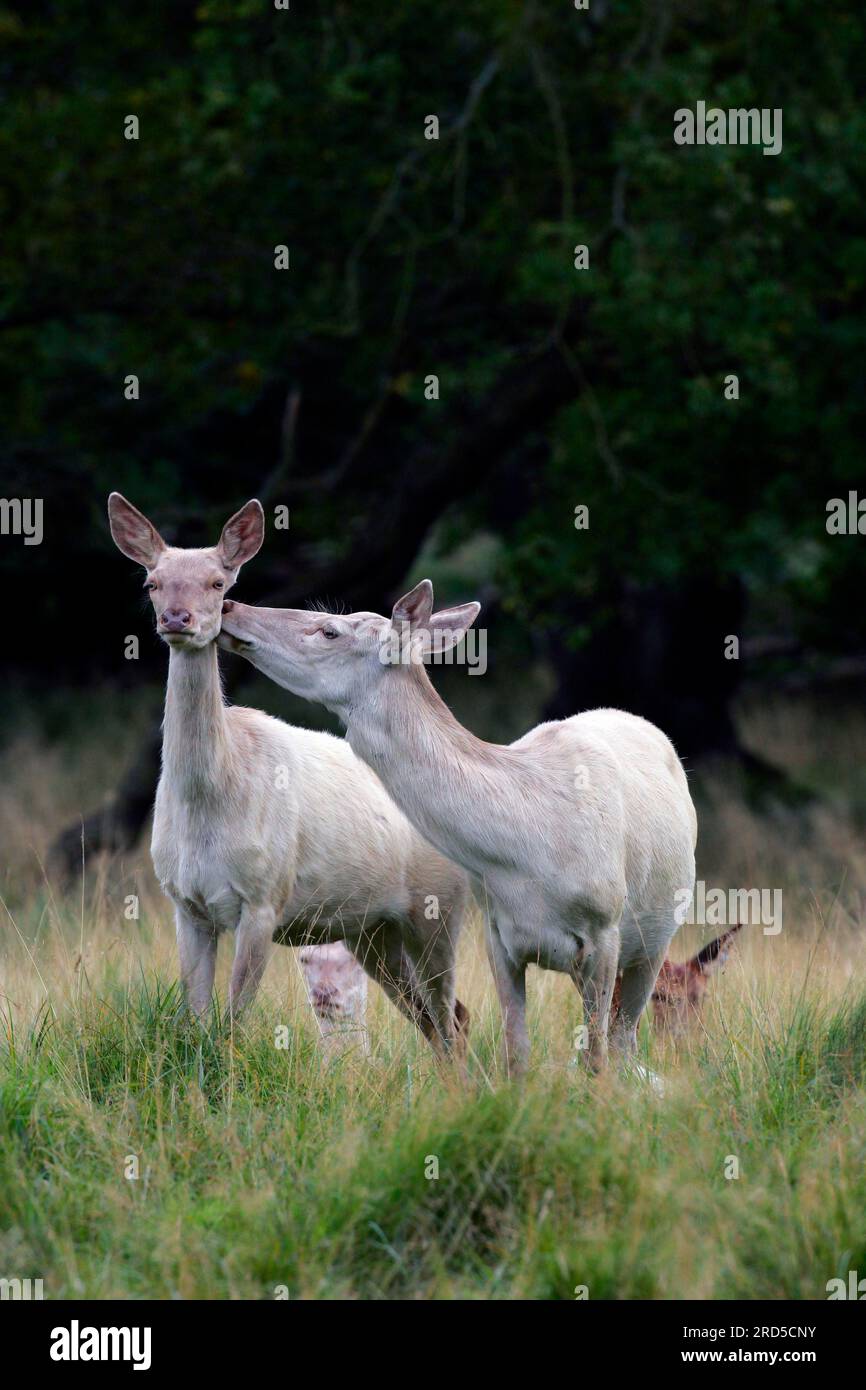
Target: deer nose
(228, 606)
(323, 995)
(175, 619)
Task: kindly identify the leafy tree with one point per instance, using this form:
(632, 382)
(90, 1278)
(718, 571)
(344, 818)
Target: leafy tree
(453, 257)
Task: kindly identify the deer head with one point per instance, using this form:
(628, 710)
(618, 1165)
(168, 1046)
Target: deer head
(335, 982)
(340, 658)
(186, 587)
(680, 988)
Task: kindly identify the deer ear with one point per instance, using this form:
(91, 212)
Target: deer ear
(450, 625)
(132, 533)
(242, 535)
(714, 955)
(415, 607)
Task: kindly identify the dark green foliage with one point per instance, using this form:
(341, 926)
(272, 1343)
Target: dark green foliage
(454, 256)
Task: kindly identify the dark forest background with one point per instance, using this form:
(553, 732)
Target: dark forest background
(454, 257)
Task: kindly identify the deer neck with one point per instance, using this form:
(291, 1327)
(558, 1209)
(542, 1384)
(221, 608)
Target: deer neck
(196, 750)
(433, 767)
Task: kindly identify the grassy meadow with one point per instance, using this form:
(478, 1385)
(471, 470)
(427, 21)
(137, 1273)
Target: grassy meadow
(264, 1172)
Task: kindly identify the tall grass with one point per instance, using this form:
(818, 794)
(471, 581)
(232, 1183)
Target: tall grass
(263, 1170)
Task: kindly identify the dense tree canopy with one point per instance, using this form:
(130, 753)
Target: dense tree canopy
(455, 257)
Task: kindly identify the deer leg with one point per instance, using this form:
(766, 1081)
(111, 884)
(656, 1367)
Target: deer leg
(252, 951)
(510, 981)
(594, 973)
(432, 955)
(197, 952)
(637, 986)
(381, 953)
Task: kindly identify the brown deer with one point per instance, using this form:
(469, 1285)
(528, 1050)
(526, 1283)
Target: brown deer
(679, 991)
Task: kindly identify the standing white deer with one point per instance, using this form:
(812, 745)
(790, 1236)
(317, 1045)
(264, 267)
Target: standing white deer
(582, 832)
(277, 833)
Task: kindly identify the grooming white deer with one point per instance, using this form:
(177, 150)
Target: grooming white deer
(582, 832)
(277, 833)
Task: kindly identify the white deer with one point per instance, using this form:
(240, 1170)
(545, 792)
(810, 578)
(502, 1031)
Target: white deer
(273, 832)
(582, 832)
(337, 990)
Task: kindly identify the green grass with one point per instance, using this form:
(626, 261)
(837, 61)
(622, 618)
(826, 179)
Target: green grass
(262, 1168)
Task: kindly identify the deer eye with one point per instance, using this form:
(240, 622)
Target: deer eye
(330, 633)
(218, 584)
(150, 584)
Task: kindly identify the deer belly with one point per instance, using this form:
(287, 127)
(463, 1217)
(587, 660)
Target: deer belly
(550, 948)
(332, 905)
